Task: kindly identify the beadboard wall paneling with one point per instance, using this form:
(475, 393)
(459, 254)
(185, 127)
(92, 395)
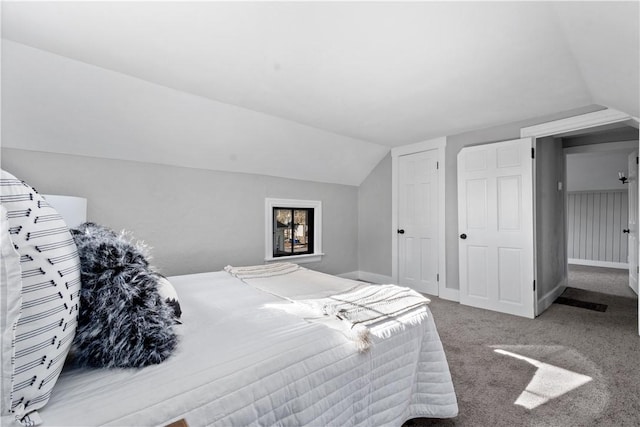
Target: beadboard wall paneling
(595, 220)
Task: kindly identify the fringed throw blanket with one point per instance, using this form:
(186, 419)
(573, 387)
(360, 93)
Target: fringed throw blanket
(355, 308)
(262, 271)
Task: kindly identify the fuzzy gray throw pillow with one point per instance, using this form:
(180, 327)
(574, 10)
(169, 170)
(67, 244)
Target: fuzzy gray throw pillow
(123, 320)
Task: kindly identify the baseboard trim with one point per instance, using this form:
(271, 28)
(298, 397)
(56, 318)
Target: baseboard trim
(446, 293)
(368, 277)
(352, 275)
(548, 299)
(450, 294)
(594, 263)
(376, 278)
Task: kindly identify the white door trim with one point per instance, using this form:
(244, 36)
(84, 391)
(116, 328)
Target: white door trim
(584, 121)
(438, 144)
(603, 147)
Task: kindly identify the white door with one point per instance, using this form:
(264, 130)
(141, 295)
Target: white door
(633, 226)
(632, 229)
(495, 227)
(418, 221)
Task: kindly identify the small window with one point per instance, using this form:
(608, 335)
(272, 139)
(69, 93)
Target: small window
(293, 230)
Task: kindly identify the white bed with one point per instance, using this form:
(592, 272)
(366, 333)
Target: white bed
(242, 362)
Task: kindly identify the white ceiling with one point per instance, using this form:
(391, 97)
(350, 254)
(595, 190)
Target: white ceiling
(384, 73)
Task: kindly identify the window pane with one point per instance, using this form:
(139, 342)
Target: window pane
(301, 231)
(293, 231)
(282, 222)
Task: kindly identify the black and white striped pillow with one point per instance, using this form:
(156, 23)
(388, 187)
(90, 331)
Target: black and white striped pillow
(50, 286)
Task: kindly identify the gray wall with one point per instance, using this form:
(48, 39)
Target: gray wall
(596, 171)
(593, 160)
(374, 220)
(195, 220)
(550, 220)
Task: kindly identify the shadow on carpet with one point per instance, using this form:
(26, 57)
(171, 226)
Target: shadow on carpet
(581, 304)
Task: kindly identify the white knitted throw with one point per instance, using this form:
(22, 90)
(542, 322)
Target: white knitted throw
(371, 304)
(262, 271)
(360, 311)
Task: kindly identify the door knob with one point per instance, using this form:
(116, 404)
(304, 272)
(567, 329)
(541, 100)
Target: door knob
(463, 236)
(626, 230)
(400, 231)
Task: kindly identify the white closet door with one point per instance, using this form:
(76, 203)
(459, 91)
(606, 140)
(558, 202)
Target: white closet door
(495, 225)
(418, 221)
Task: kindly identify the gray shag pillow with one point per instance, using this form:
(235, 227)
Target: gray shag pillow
(123, 320)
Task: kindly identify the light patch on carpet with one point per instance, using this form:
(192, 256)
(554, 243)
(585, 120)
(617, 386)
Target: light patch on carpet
(549, 382)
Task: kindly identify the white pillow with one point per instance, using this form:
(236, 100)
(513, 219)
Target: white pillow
(170, 296)
(50, 286)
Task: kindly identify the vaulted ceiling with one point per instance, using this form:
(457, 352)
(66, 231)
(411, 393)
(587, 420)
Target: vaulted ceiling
(341, 81)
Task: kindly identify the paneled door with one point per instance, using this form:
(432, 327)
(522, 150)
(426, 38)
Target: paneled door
(495, 226)
(418, 221)
(632, 228)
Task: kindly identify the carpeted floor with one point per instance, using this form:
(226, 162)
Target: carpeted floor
(568, 367)
(611, 281)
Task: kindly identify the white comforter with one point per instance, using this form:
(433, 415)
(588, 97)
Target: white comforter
(240, 363)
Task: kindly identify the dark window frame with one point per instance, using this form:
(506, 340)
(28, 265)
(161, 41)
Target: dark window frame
(291, 228)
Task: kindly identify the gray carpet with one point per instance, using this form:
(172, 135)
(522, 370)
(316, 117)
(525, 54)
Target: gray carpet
(586, 364)
(611, 281)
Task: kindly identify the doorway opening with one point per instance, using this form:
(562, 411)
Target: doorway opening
(599, 209)
(550, 286)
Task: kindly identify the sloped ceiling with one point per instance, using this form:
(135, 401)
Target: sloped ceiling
(341, 82)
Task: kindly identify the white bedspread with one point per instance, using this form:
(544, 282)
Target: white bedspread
(241, 363)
